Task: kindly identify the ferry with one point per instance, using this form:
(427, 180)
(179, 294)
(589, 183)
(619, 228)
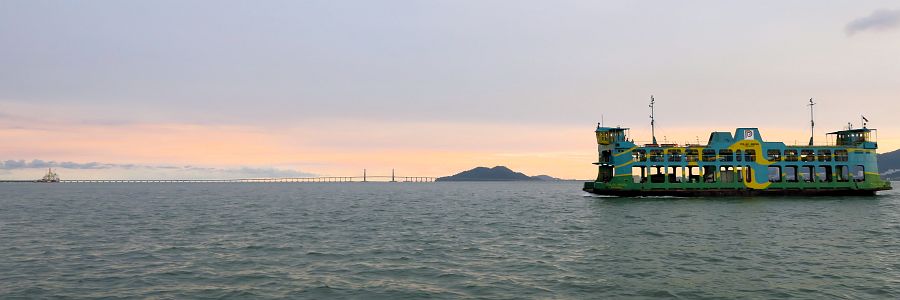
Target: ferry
(741, 163)
(50, 177)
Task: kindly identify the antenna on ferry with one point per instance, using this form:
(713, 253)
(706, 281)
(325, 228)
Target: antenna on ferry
(812, 122)
(652, 121)
(864, 120)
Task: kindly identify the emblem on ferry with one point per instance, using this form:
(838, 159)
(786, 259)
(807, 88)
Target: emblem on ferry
(748, 134)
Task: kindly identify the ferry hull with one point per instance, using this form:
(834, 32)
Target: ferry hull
(732, 192)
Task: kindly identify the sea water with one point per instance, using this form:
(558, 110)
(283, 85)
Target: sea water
(437, 240)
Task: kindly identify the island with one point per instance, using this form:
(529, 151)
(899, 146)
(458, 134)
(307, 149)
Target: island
(889, 165)
(498, 173)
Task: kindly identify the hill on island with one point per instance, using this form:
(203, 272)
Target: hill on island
(889, 165)
(498, 173)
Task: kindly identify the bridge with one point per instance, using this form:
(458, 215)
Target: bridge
(328, 179)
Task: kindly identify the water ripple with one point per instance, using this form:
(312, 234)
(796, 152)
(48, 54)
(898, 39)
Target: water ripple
(437, 241)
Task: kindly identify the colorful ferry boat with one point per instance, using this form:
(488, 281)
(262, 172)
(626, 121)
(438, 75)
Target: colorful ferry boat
(739, 164)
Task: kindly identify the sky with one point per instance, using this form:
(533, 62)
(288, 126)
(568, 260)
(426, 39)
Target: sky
(239, 89)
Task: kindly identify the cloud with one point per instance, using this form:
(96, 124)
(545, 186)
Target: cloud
(188, 171)
(882, 19)
(37, 163)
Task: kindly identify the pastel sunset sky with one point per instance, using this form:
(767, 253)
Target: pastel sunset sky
(236, 89)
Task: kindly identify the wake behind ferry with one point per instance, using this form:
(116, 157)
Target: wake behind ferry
(739, 164)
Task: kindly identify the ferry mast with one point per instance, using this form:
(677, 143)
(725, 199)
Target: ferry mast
(812, 122)
(652, 121)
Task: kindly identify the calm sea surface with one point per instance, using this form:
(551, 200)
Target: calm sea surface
(437, 240)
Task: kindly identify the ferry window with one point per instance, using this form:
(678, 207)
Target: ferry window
(842, 139)
(656, 155)
(859, 173)
(726, 174)
(808, 173)
(674, 155)
(790, 174)
(843, 173)
(675, 174)
(639, 155)
(726, 155)
(692, 155)
(605, 156)
(656, 175)
(750, 155)
(774, 174)
(749, 177)
(790, 155)
(709, 174)
(693, 174)
(739, 173)
(807, 155)
(824, 155)
(840, 155)
(825, 174)
(709, 155)
(637, 174)
(603, 138)
(738, 155)
(773, 155)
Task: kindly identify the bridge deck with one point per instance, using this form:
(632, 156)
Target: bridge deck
(251, 180)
